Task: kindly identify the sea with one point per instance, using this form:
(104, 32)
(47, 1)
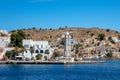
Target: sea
(110, 70)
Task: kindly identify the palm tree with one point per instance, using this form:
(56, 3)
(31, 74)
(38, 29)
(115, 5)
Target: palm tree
(31, 51)
(47, 52)
(22, 51)
(16, 49)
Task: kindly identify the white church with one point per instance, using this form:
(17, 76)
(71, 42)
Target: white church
(67, 49)
(39, 48)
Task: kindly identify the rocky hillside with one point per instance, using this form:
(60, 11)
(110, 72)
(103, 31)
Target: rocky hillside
(76, 33)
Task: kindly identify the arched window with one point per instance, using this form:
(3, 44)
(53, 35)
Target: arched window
(36, 51)
(41, 51)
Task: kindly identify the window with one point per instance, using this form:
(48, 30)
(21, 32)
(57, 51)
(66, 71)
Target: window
(37, 46)
(41, 51)
(36, 51)
(26, 46)
(41, 46)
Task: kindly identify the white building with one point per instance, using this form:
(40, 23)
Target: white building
(116, 39)
(67, 49)
(4, 41)
(3, 31)
(39, 47)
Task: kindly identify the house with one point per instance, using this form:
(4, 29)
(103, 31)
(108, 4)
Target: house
(2, 52)
(39, 47)
(4, 32)
(4, 41)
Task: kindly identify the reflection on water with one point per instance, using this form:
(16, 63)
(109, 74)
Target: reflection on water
(106, 71)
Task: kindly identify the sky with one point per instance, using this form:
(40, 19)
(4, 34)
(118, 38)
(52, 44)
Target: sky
(19, 14)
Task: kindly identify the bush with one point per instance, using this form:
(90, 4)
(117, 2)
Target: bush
(110, 38)
(109, 55)
(107, 30)
(62, 41)
(9, 54)
(92, 34)
(112, 41)
(38, 56)
(56, 54)
(45, 57)
(101, 37)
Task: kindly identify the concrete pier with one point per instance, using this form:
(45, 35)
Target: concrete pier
(50, 62)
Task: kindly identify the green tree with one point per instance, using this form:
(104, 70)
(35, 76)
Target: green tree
(50, 29)
(17, 37)
(21, 33)
(101, 37)
(10, 54)
(56, 54)
(13, 39)
(40, 29)
(33, 28)
(61, 28)
(111, 40)
(109, 55)
(77, 46)
(107, 30)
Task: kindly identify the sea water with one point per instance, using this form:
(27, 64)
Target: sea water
(110, 70)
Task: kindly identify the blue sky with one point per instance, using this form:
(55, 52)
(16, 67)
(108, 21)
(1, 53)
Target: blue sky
(18, 14)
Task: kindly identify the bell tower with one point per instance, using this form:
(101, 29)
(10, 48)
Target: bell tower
(67, 46)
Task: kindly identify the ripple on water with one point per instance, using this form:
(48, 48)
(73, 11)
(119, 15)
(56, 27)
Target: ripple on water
(107, 71)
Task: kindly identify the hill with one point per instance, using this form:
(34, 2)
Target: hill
(88, 40)
(54, 35)
(76, 33)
